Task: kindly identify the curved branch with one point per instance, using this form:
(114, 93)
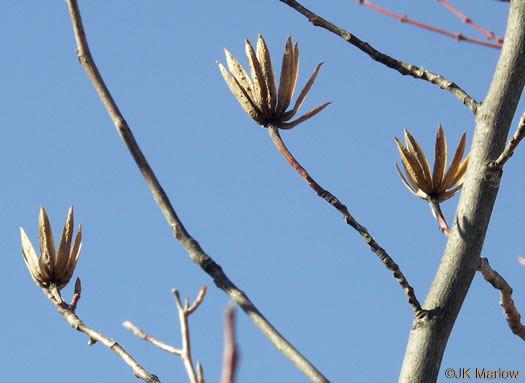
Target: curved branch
(363, 232)
(68, 312)
(511, 313)
(401, 67)
(179, 231)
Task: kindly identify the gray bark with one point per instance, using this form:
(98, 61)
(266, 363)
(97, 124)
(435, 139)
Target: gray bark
(428, 337)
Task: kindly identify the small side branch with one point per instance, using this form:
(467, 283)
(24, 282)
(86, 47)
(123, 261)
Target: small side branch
(511, 313)
(363, 232)
(185, 352)
(511, 146)
(68, 312)
(390, 62)
(184, 312)
(438, 215)
(193, 248)
(467, 20)
(157, 343)
(230, 357)
(404, 19)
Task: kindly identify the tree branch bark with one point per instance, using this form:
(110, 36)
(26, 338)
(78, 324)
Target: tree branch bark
(403, 68)
(189, 243)
(428, 337)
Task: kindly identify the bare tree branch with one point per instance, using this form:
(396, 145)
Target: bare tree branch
(457, 36)
(184, 312)
(197, 301)
(401, 67)
(157, 343)
(179, 231)
(68, 312)
(468, 20)
(428, 338)
(230, 357)
(184, 353)
(511, 313)
(389, 263)
(200, 373)
(513, 143)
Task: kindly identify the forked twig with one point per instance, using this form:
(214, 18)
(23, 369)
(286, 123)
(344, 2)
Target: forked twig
(511, 146)
(457, 36)
(511, 313)
(390, 62)
(467, 20)
(68, 312)
(184, 352)
(184, 312)
(363, 232)
(230, 357)
(179, 231)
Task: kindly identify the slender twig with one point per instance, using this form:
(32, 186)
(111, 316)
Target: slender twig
(389, 263)
(468, 20)
(438, 215)
(511, 146)
(390, 62)
(200, 373)
(68, 312)
(184, 352)
(184, 312)
(511, 313)
(404, 19)
(230, 357)
(157, 343)
(179, 231)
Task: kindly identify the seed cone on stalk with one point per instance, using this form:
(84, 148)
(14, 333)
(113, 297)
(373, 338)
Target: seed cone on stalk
(54, 268)
(258, 95)
(439, 185)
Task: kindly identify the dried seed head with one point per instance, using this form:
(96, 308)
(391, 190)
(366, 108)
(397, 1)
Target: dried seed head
(53, 269)
(258, 95)
(439, 185)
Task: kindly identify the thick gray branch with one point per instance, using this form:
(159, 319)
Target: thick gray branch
(428, 338)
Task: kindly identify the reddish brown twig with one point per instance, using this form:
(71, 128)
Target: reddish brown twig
(184, 352)
(467, 20)
(230, 354)
(68, 312)
(332, 200)
(512, 315)
(189, 243)
(438, 215)
(403, 68)
(404, 19)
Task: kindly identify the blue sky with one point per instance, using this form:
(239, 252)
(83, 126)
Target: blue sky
(308, 272)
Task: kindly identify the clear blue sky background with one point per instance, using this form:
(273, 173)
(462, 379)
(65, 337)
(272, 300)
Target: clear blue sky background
(307, 271)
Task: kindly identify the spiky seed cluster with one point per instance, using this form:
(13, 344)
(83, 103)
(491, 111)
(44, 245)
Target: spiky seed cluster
(53, 268)
(258, 95)
(439, 186)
